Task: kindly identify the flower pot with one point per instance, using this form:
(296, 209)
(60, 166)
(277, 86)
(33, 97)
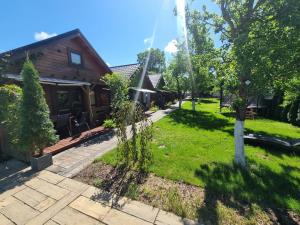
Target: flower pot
(42, 162)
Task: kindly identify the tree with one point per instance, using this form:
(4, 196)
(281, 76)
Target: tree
(179, 69)
(156, 60)
(118, 86)
(36, 128)
(258, 38)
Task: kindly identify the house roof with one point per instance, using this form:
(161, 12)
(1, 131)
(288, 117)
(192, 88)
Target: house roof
(50, 80)
(155, 78)
(70, 34)
(126, 70)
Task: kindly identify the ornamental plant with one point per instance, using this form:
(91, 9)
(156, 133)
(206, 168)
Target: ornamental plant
(10, 98)
(36, 128)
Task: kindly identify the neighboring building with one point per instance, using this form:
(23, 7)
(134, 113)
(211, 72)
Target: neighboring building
(70, 73)
(157, 81)
(141, 89)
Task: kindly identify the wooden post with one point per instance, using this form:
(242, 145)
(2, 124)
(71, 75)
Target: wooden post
(86, 90)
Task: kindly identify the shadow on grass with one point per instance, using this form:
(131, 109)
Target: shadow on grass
(239, 189)
(202, 120)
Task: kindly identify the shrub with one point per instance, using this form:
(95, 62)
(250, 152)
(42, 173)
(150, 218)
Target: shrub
(36, 128)
(154, 107)
(109, 123)
(10, 99)
(118, 85)
(136, 151)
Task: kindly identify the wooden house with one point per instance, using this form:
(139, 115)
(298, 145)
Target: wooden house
(70, 72)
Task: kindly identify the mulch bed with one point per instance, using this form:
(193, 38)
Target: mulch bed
(180, 198)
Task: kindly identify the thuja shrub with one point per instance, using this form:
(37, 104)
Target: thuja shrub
(135, 133)
(36, 128)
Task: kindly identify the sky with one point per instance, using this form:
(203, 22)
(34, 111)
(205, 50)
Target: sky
(117, 29)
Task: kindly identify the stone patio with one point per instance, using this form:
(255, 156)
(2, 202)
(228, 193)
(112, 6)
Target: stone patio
(49, 198)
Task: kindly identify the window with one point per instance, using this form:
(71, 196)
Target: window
(75, 58)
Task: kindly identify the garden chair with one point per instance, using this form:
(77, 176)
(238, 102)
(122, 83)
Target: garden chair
(63, 122)
(82, 121)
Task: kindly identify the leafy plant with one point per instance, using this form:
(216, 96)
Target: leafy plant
(109, 123)
(134, 152)
(118, 85)
(36, 128)
(10, 99)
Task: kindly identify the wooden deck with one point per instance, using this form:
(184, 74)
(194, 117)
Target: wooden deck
(74, 140)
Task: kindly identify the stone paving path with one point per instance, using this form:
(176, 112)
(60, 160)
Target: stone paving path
(73, 160)
(51, 199)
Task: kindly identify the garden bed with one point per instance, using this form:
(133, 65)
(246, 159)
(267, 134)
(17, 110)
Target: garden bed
(178, 197)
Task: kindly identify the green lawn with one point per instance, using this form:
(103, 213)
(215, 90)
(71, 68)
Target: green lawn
(198, 148)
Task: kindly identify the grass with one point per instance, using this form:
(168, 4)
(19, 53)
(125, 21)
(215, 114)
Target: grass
(198, 148)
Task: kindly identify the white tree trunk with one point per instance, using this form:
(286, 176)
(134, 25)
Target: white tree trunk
(180, 102)
(194, 105)
(239, 155)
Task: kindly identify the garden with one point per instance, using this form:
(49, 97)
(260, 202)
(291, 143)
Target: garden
(193, 174)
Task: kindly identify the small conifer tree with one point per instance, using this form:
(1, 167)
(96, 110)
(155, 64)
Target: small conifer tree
(36, 128)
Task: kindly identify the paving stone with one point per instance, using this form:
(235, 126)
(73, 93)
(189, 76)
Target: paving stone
(139, 209)
(30, 196)
(17, 211)
(99, 195)
(116, 217)
(91, 192)
(73, 185)
(51, 222)
(50, 177)
(89, 207)
(9, 192)
(165, 218)
(5, 221)
(69, 216)
(42, 206)
(54, 209)
(47, 188)
(55, 169)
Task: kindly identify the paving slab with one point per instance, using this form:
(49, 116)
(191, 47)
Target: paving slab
(17, 211)
(47, 188)
(51, 222)
(139, 209)
(30, 196)
(50, 177)
(4, 220)
(73, 185)
(54, 209)
(116, 217)
(9, 192)
(166, 218)
(89, 207)
(42, 206)
(69, 216)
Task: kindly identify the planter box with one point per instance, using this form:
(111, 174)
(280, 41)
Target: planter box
(42, 162)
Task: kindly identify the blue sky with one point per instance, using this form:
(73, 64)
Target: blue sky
(117, 29)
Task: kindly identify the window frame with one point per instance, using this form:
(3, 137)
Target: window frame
(70, 51)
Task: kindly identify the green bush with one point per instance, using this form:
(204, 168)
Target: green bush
(10, 99)
(109, 123)
(36, 128)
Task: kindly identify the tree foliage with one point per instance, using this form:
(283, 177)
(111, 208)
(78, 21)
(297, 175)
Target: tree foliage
(118, 86)
(10, 99)
(156, 61)
(36, 128)
(134, 152)
(260, 44)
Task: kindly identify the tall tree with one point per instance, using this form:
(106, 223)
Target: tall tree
(36, 128)
(257, 37)
(179, 69)
(156, 60)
